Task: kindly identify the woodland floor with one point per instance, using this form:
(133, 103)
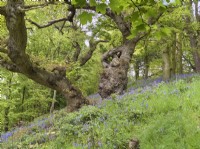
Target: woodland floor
(158, 114)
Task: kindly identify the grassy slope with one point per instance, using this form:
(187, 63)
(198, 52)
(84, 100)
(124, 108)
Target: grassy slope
(162, 117)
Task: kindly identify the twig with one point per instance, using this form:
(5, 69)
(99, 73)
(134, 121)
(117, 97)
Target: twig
(48, 24)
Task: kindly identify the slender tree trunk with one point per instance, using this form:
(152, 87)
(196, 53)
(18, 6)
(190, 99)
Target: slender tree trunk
(53, 102)
(179, 54)
(146, 66)
(137, 69)
(115, 67)
(166, 64)
(23, 97)
(6, 119)
(173, 59)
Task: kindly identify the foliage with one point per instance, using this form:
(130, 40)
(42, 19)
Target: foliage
(25, 99)
(164, 116)
(88, 75)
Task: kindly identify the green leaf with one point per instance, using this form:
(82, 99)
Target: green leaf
(116, 6)
(101, 8)
(93, 3)
(131, 36)
(80, 3)
(151, 12)
(166, 31)
(163, 32)
(158, 35)
(135, 16)
(141, 27)
(162, 7)
(85, 17)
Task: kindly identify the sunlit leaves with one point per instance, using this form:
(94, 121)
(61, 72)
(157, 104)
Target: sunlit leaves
(163, 32)
(139, 27)
(101, 8)
(92, 2)
(119, 5)
(135, 16)
(85, 17)
(80, 3)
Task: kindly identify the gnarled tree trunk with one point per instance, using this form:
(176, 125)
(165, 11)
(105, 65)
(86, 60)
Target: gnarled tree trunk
(21, 63)
(115, 67)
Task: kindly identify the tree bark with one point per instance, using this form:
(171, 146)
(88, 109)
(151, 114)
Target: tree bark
(179, 54)
(166, 64)
(137, 69)
(146, 66)
(53, 102)
(23, 98)
(173, 58)
(115, 67)
(16, 52)
(193, 34)
(116, 61)
(195, 52)
(6, 119)
(88, 55)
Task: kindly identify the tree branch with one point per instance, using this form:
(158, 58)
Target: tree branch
(48, 24)
(84, 59)
(31, 7)
(153, 20)
(8, 65)
(124, 26)
(37, 5)
(189, 62)
(2, 10)
(93, 45)
(60, 28)
(77, 52)
(68, 18)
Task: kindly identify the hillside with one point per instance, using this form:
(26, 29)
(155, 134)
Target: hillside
(164, 115)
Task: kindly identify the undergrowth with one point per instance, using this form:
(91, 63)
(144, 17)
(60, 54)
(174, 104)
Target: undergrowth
(163, 117)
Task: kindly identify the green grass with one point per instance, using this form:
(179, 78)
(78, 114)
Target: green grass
(163, 117)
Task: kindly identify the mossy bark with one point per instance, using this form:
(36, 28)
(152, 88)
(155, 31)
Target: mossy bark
(16, 52)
